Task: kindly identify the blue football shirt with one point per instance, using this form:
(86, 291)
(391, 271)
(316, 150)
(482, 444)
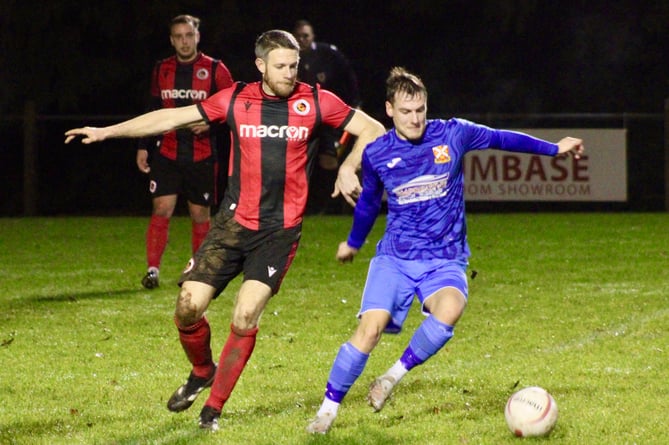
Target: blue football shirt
(424, 183)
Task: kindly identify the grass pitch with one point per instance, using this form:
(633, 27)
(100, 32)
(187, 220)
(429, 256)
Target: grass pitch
(575, 303)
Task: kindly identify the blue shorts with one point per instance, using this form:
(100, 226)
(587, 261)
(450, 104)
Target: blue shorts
(393, 282)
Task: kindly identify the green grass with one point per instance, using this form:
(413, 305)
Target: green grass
(576, 303)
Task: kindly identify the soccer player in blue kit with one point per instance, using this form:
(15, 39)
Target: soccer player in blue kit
(424, 250)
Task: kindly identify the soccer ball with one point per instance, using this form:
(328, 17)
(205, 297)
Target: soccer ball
(532, 411)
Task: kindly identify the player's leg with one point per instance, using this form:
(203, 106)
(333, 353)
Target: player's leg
(200, 191)
(348, 366)
(200, 216)
(270, 257)
(164, 186)
(250, 303)
(385, 303)
(215, 264)
(445, 288)
(444, 307)
(156, 237)
(194, 335)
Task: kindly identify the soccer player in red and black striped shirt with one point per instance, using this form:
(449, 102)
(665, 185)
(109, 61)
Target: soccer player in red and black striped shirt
(258, 227)
(183, 161)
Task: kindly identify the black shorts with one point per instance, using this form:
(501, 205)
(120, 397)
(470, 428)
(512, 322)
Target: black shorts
(230, 249)
(196, 181)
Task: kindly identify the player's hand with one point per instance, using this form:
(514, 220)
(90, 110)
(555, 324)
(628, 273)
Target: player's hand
(345, 253)
(199, 129)
(571, 145)
(347, 185)
(90, 134)
(143, 160)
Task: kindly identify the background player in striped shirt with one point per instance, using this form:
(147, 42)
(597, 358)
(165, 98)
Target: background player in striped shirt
(183, 161)
(258, 226)
(424, 249)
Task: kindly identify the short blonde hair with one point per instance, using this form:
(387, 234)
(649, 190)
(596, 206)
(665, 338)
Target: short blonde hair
(273, 39)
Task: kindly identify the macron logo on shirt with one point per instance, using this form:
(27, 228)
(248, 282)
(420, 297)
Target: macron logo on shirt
(198, 95)
(290, 132)
(270, 270)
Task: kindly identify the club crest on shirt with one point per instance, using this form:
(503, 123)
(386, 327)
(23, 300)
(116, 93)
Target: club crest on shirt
(202, 74)
(441, 155)
(302, 107)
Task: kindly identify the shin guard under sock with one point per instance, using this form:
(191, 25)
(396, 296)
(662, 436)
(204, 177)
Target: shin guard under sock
(429, 338)
(236, 352)
(156, 240)
(199, 231)
(195, 340)
(347, 367)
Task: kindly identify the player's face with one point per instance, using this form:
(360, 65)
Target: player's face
(304, 36)
(409, 114)
(279, 71)
(184, 39)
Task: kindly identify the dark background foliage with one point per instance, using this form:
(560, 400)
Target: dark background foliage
(476, 56)
(89, 63)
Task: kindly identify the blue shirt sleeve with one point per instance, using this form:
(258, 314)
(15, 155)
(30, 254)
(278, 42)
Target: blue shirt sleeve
(368, 206)
(521, 143)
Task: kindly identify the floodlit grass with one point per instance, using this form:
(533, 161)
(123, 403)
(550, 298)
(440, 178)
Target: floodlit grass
(575, 303)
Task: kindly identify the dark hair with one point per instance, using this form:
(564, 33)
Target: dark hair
(273, 39)
(301, 23)
(187, 20)
(402, 81)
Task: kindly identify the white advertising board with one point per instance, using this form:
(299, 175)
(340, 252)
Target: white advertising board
(600, 174)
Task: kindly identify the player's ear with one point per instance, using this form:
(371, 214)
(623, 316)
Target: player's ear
(389, 109)
(260, 64)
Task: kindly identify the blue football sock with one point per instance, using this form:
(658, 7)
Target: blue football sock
(347, 367)
(429, 338)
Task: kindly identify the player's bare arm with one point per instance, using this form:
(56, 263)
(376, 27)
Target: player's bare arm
(149, 124)
(571, 145)
(367, 130)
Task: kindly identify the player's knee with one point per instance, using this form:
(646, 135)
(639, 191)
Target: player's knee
(368, 335)
(244, 319)
(448, 308)
(162, 209)
(199, 214)
(187, 313)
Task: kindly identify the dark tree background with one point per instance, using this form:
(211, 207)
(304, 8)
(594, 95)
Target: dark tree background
(476, 56)
(89, 63)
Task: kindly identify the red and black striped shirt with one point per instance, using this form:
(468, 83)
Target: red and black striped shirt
(175, 84)
(268, 178)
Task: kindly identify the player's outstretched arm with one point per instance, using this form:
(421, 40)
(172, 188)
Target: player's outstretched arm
(367, 130)
(89, 134)
(149, 124)
(345, 253)
(571, 145)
